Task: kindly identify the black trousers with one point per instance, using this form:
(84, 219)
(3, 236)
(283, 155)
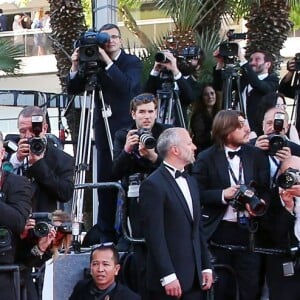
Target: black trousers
(281, 287)
(246, 266)
(107, 199)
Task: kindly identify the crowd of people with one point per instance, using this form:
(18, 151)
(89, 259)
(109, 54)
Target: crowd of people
(216, 187)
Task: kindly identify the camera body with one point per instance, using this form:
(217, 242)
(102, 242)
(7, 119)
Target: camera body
(276, 140)
(297, 62)
(37, 143)
(88, 44)
(146, 138)
(288, 178)
(44, 223)
(246, 194)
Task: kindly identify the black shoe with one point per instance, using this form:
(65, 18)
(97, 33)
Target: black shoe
(95, 236)
(123, 245)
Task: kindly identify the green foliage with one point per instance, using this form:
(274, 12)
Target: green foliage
(87, 10)
(8, 51)
(295, 16)
(209, 41)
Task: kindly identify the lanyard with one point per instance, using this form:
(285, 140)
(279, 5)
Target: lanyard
(236, 181)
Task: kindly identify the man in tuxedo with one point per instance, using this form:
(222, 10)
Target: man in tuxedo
(221, 170)
(256, 80)
(282, 270)
(119, 78)
(178, 264)
(276, 122)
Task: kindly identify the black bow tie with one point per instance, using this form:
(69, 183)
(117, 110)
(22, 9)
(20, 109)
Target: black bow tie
(231, 154)
(183, 174)
(178, 173)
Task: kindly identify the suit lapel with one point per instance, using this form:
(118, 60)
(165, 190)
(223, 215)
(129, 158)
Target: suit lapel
(222, 166)
(176, 191)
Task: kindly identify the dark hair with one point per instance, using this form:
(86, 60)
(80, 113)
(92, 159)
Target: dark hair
(142, 99)
(110, 26)
(106, 246)
(225, 122)
(199, 106)
(268, 57)
(1, 11)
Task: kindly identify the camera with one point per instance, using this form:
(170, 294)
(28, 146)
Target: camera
(43, 221)
(235, 36)
(160, 57)
(43, 225)
(288, 178)
(37, 143)
(276, 140)
(246, 194)
(88, 44)
(146, 138)
(297, 62)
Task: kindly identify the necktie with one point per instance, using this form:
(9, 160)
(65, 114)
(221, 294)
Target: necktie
(231, 154)
(183, 174)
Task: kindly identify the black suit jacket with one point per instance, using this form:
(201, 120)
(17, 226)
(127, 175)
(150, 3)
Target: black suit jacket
(259, 89)
(211, 172)
(119, 84)
(174, 239)
(52, 179)
(126, 164)
(188, 92)
(82, 289)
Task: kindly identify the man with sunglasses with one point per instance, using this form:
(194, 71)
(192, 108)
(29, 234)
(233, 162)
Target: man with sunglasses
(104, 267)
(119, 79)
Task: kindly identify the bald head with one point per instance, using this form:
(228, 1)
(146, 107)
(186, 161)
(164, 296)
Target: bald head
(291, 162)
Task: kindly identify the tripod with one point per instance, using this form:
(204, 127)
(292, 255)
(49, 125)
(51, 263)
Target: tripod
(83, 151)
(232, 99)
(169, 106)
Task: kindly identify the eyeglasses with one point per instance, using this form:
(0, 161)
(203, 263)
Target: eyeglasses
(114, 37)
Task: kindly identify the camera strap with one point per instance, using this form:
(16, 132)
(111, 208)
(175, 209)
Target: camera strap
(236, 181)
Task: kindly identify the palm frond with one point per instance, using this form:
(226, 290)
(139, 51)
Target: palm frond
(187, 15)
(8, 53)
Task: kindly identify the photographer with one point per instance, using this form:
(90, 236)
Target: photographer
(119, 79)
(256, 80)
(282, 269)
(184, 87)
(274, 142)
(49, 168)
(226, 173)
(15, 205)
(135, 157)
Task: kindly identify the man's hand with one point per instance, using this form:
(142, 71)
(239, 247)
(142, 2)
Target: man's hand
(288, 198)
(104, 56)
(150, 154)
(262, 142)
(207, 280)
(170, 65)
(230, 192)
(283, 153)
(293, 190)
(23, 149)
(75, 60)
(30, 223)
(45, 241)
(173, 289)
(132, 140)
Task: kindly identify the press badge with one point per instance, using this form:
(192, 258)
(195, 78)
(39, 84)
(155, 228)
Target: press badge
(106, 112)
